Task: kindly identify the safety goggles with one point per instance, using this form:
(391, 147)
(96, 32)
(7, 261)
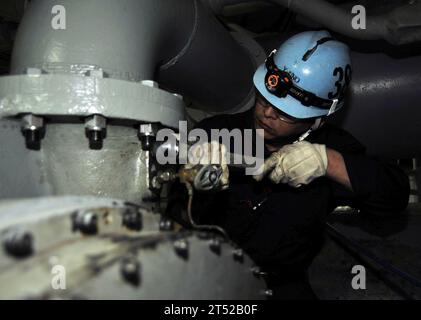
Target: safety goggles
(280, 84)
(280, 115)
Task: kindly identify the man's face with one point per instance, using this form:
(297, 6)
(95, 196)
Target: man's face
(276, 123)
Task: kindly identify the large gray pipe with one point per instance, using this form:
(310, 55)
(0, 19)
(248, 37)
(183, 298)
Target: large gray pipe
(383, 110)
(400, 26)
(107, 34)
(131, 39)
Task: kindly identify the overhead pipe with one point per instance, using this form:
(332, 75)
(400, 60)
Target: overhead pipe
(400, 26)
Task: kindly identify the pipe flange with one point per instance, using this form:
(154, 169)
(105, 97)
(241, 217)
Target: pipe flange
(84, 96)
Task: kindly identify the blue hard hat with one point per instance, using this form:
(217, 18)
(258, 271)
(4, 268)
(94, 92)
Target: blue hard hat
(314, 68)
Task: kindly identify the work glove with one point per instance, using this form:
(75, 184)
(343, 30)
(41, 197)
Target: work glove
(212, 153)
(296, 164)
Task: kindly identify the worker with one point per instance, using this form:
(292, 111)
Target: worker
(278, 216)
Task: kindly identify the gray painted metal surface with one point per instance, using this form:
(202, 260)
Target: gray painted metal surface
(382, 109)
(184, 47)
(93, 262)
(70, 95)
(66, 165)
(123, 38)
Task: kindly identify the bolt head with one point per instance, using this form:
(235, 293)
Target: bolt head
(238, 255)
(34, 72)
(215, 245)
(96, 123)
(166, 176)
(86, 222)
(179, 96)
(97, 73)
(132, 219)
(255, 270)
(32, 122)
(155, 183)
(150, 83)
(148, 129)
(181, 247)
(130, 270)
(19, 243)
(268, 293)
(166, 224)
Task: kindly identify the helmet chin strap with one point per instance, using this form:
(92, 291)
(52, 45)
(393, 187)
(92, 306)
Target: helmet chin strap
(317, 124)
(319, 121)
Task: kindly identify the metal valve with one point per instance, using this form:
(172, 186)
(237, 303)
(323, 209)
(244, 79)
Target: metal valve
(208, 178)
(202, 177)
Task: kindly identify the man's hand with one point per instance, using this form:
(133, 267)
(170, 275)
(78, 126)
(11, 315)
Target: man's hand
(296, 164)
(210, 153)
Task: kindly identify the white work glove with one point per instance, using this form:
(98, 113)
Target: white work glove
(210, 153)
(296, 164)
